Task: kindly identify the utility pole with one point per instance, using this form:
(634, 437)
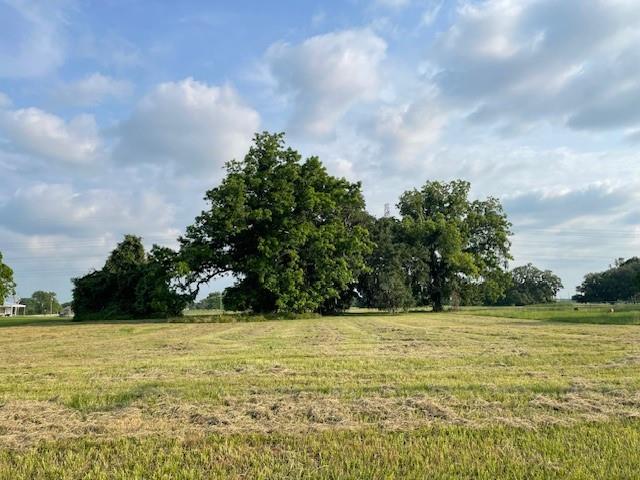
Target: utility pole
(387, 210)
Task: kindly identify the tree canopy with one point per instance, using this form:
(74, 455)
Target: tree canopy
(619, 283)
(297, 239)
(444, 245)
(41, 302)
(289, 232)
(213, 301)
(529, 285)
(386, 283)
(452, 240)
(132, 284)
(7, 284)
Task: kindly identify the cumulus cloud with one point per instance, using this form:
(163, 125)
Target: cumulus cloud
(32, 43)
(405, 129)
(45, 135)
(572, 61)
(326, 75)
(92, 90)
(57, 209)
(52, 232)
(189, 125)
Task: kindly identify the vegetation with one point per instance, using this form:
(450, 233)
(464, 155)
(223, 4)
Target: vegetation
(587, 451)
(456, 241)
(41, 303)
(132, 284)
(299, 240)
(7, 284)
(528, 285)
(622, 314)
(288, 231)
(213, 301)
(444, 244)
(355, 396)
(619, 283)
(386, 284)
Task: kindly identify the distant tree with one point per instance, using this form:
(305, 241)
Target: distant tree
(131, 284)
(41, 302)
(529, 285)
(621, 282)
(289, 232)
(213, 301)
(452, 239)
(488, 290)
(7, 284)
(386, 283)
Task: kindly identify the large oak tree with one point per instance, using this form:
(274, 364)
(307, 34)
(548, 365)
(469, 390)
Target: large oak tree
(288, 231)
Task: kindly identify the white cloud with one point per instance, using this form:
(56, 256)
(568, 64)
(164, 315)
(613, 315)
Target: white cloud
(549, 207)
(32, 43)
(405, 129)
(392, 3)
(431, 13)
(57, 209)
(36, 132)
(92, 90)
(191, 126)
(575, 62)
(5, 101)
(326, 75)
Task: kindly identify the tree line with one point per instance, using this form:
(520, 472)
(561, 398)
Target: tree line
(620, 282)
(297, 239)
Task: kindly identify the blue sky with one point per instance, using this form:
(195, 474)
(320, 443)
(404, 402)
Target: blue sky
(116, 116)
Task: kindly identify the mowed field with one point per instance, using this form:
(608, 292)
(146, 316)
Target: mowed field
(421, 395)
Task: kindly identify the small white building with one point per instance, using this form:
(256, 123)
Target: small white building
(12, 309)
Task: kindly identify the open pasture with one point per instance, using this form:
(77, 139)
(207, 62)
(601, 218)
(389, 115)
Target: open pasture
(452, 395)
(622, 314)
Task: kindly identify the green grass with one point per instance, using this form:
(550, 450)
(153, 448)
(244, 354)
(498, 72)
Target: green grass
(561, 312)
(421, 395)
(32, 320)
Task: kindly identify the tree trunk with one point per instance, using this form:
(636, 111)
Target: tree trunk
(437, 302)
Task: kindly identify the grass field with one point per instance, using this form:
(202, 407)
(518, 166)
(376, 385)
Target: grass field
(471, 394)
(600, 314)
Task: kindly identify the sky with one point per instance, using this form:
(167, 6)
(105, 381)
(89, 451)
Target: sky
(116, 116)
